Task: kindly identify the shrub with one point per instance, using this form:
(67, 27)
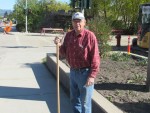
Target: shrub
(117, 24)
(142, 62)
(20, 27)
(120, 57)
(102, 31)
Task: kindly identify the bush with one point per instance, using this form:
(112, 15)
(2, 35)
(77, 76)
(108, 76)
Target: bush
(102, 31)
(120, 57)
(20, 27)
(117, 24)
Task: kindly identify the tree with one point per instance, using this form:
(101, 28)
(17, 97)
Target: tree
(102, 31)
(121, 13)
(5, 14)
(127, 12)
(37, 11)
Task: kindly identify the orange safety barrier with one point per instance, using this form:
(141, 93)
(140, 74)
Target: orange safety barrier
(8, 27)
(129, 48)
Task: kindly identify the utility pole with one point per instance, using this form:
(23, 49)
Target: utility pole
(26, 17)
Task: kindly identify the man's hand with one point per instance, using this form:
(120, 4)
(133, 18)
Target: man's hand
(57, 40)
(90, 81)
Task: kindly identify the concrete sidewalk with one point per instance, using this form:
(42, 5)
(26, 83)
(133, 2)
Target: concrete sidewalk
(26, 86)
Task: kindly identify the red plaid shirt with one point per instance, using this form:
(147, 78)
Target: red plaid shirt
(81, 51)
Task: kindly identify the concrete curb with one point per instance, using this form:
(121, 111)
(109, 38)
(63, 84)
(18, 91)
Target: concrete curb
(99, 103)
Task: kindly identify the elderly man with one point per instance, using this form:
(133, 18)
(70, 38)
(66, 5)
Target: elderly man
(80, 48)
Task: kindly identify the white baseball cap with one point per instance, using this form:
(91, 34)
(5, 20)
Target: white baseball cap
(78, 15)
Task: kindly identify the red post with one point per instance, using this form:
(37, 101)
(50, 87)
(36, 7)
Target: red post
(129, 45)
(118, 37)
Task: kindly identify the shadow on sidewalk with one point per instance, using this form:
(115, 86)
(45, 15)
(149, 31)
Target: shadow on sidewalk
(46, 91)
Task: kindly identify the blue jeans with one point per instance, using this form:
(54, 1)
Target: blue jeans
(80, 94)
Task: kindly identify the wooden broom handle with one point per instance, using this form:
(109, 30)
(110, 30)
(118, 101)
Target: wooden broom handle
(58, 90)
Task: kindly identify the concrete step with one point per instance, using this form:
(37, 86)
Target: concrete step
(99, 103)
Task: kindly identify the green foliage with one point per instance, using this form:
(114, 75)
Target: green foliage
(102, 31)
(120, 57)
(117, 24)
(142, 62)
(38, 12)
(110, 98)
(114, 10)
(136, 79)
(58, 6)
(121, 14)
(20, 27)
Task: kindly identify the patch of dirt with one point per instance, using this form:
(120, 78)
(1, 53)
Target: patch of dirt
(123, 83)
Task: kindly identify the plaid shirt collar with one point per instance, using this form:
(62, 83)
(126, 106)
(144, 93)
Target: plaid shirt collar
(80, 35)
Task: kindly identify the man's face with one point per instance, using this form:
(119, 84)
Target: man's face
(78, 24)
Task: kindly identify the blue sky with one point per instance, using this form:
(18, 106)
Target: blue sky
(8, 4)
